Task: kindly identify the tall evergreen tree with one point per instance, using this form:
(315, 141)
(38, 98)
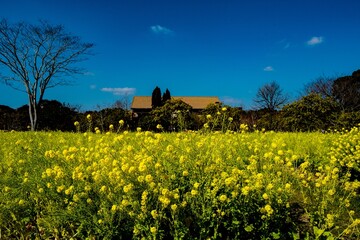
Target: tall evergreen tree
(156, 98)
(166, 96)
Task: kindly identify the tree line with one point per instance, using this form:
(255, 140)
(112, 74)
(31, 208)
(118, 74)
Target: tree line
(40, 56)
(326, 104)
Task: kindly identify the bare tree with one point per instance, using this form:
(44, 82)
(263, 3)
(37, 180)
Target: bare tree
(270, 96)
(124, 102)
(322, 85)
(39, 57)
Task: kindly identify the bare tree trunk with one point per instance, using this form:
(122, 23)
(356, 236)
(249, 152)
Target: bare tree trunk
(39, 57)
(32, 114)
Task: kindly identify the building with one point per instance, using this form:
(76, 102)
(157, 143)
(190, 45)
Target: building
(142, 104)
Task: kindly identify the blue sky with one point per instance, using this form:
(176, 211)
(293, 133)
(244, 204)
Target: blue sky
(223, 48)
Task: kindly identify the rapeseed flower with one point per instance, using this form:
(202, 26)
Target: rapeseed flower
(154, 214)
(114, 208)
(174, 207)
(128, 188)
(245, 190)
(269, 210)
(153, 230)
(265, 196)
(223, 198)
(148, 178)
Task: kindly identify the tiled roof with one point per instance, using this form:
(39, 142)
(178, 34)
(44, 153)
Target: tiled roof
(144, 102)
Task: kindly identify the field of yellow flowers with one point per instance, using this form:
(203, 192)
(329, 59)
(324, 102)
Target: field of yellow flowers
(189, 185)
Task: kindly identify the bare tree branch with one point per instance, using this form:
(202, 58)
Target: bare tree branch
(270, 96)
(322, 85)
(40, 57)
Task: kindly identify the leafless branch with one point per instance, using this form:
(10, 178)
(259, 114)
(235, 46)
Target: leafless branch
(270, 96)
(40, 57)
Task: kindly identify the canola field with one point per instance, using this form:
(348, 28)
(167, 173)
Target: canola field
(189, 185)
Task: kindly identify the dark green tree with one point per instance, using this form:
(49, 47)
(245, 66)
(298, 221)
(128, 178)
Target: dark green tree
(21, 118)
(109, 116)
(348, 120)
(7, 118)
(156, 98)
(166, 96)
(175, 115)
(310, 113)
(56, 116)
(218, 119)
(346, 91)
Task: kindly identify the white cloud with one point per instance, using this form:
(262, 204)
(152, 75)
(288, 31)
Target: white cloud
(120, 91)
(89, 74)
(93, 86)
(269, 69)
(157, 29)
(314, 41)
(231, 101)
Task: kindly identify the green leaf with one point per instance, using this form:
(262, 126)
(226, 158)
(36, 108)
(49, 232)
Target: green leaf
(235, 222)
(296, 236)
(249, 228)
(318, 232)
(275, 235)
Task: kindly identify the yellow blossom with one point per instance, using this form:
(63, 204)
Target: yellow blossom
(148, 178)
(265, 196)
(194, 192)
(223, 198)
(154, 214)
(114, 208)
(153, 230)
(174, 207)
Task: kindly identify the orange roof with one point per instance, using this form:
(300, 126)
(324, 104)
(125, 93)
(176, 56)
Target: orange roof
(144, 102)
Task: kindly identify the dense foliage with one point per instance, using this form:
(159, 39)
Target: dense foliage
(310, 113)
